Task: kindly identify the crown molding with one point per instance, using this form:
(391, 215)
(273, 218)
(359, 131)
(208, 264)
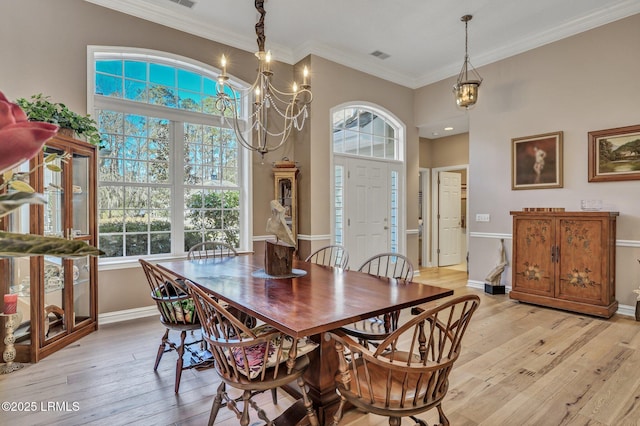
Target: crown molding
(162, 15)
(571, 28)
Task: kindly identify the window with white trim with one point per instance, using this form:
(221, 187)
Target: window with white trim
(171, 173)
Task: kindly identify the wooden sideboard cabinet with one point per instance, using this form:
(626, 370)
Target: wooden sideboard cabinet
(565, 260)
(57, 297)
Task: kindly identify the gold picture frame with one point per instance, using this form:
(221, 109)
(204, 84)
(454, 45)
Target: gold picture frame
(614, 154)
(536, 161)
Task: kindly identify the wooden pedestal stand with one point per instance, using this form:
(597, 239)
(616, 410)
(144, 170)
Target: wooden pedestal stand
(278, 258)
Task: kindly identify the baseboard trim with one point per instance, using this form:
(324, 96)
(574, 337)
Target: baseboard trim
(626, 310)
(127, 314)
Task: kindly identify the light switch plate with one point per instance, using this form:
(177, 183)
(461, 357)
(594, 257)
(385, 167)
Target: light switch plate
(483, 217)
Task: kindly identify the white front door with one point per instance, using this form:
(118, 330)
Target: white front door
(367, 210)
(449, 224)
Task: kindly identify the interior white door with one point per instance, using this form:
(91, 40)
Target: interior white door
(367, 210)
(449, 223)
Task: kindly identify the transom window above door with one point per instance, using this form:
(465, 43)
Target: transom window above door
(361, 131)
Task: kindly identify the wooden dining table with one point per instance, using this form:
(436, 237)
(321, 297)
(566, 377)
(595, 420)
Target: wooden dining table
(315, 300)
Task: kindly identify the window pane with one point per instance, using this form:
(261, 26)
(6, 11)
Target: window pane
(338, 140)
(339, 206)
(378, 147)
(113, 67)
(390, 151)
(136, 245)
(112, 245)
(209, 86)
(160, 243)
(189, 80)
(162, 95)
(108, 86)
(338, 119)
(191, 239)
(350, 142)
(136, 70)
(365, 145)
(162, 74)
(364, 122)
(190, 101)
(135, 91)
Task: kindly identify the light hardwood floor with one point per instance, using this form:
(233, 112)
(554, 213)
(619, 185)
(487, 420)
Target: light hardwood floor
(520, 365)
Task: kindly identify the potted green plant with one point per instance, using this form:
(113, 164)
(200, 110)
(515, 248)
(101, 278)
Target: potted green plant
(40, 108)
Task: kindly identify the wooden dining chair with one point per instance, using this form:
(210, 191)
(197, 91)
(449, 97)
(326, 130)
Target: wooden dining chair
(208, 249)
(252, 360)
(177, 313)
(389, 265)
(331, 255)
(408, 373)
(219, 249)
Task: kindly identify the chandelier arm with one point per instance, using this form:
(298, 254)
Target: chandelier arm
(267, 101)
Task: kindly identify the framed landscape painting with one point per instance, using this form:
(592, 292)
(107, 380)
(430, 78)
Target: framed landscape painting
(536, 161)
(614, 154)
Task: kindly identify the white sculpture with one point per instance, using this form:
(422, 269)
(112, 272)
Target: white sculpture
(494, 276)
(277, 225)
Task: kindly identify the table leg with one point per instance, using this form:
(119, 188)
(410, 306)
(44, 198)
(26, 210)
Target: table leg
(319, 377)
(11, 322)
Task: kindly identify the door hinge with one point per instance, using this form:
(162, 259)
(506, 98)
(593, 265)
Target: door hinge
(348, 222)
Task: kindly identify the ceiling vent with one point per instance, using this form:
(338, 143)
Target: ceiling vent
(186, 3)
(378, 54)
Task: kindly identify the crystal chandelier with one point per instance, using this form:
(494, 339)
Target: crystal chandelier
(466, 88)
(269, 103)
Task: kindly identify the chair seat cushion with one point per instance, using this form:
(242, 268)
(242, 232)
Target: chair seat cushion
(256, 354)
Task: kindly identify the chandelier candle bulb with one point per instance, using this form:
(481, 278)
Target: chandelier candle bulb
(305, 74)
(267, 60)
(223, 62)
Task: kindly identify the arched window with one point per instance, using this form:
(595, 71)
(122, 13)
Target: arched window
(365, 132)
(171, 174)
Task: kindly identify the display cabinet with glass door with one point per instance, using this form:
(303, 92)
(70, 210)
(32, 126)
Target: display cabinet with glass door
(57, 297)
(286, 194)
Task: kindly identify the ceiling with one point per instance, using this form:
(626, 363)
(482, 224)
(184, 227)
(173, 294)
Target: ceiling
(423, 38)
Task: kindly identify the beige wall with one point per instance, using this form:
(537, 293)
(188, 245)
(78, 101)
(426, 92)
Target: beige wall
(576, 85)
(446, 151)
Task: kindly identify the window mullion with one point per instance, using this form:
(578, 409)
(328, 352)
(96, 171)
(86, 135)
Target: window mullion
(177, 204)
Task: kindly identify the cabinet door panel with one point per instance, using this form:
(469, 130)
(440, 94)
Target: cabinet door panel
(533, 266)
(583, 254)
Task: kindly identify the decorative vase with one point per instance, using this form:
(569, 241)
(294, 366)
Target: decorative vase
(638, 310)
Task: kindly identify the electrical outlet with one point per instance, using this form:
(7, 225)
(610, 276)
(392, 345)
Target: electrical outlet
(483, 217)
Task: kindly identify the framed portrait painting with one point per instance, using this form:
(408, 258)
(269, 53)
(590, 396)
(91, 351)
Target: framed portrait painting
(614, 154)
(536, 161)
